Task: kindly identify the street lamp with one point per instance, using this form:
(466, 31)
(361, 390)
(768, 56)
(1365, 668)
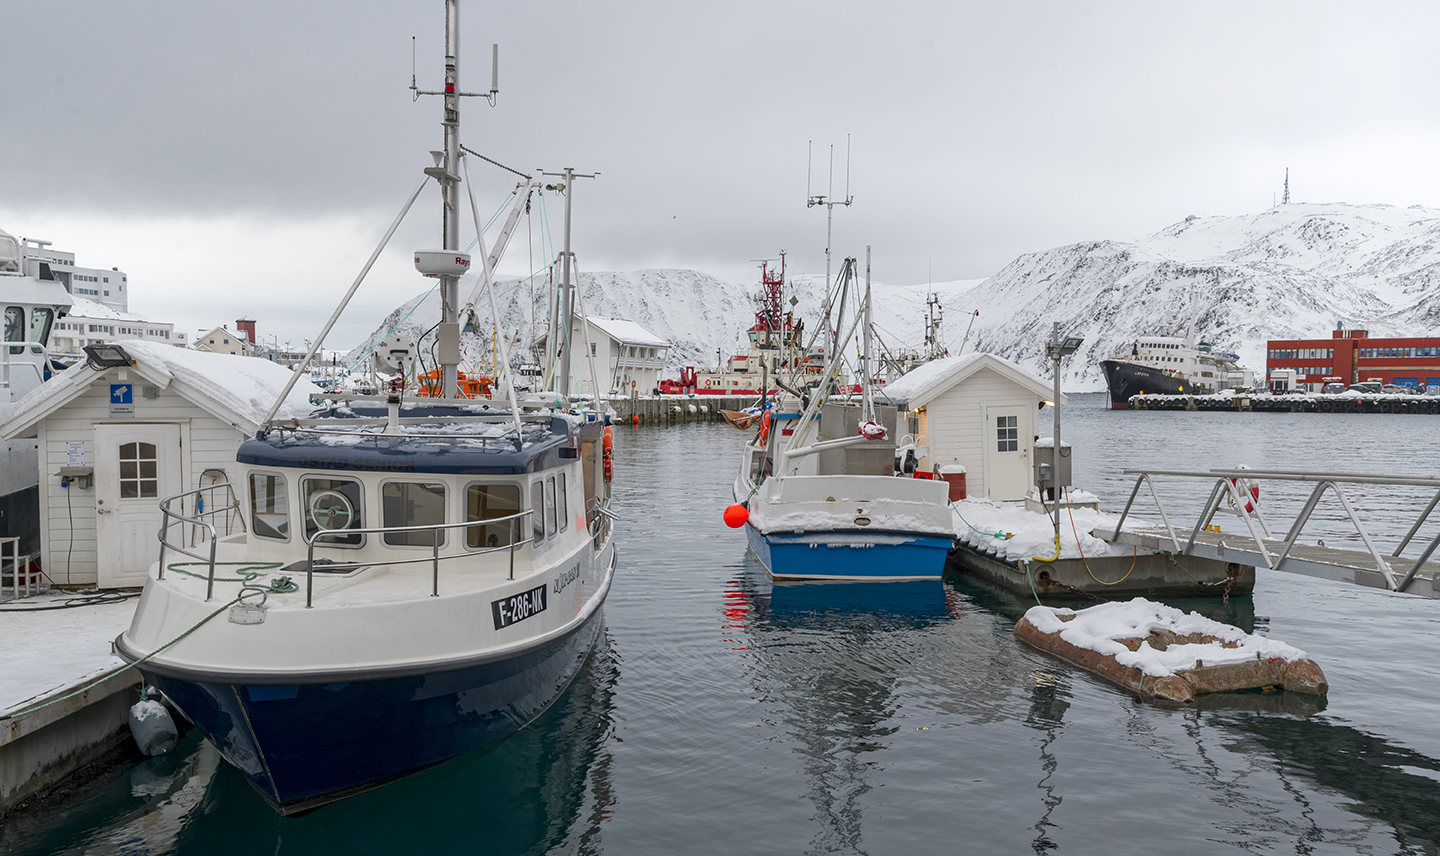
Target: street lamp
(1056, 350)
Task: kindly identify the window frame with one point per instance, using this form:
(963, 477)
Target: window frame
(444, 513)
(465, 510)
(305, 509)
(250, 490)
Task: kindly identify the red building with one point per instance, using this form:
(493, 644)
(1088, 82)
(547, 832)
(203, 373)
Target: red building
(1351, 356)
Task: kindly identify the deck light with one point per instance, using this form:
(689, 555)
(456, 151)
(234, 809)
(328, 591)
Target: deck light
(107, 356)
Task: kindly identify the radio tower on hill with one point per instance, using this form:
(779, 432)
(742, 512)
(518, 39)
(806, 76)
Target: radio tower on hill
(1285, 197)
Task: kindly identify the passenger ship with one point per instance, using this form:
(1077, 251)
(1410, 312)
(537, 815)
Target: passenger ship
(419, 576)
(1170, 365)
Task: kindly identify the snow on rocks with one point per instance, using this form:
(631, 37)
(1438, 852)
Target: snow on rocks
(1161, 651)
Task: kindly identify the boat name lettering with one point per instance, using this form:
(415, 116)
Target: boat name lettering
(518, 607)
(563, 581)
(363, 465)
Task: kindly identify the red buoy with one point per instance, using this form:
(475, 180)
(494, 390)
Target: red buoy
(736, 515)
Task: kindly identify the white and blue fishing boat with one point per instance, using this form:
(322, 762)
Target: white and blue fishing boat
(830, 494)
(418, 576)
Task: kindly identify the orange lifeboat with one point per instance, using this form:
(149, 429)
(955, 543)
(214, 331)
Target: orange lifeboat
(471, 386)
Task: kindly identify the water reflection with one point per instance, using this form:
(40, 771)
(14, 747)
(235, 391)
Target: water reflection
(545, 789)
(834, 655)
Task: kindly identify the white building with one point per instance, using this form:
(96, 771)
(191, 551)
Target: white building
(624, 355)
(222, 341)
(107, 287)
(979, 411)
(115, 441)
(92, 323)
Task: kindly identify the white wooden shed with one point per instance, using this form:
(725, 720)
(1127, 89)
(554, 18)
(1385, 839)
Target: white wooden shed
(127, 437)
(979, 411)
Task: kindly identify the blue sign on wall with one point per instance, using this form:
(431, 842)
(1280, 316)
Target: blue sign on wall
(121, 393)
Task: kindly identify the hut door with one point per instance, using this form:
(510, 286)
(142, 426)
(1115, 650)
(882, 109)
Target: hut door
(136, 466)
(1007, 454)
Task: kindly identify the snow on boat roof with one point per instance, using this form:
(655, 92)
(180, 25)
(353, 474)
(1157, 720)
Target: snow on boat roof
(1098, 628)
(919, 385)
(245, 386)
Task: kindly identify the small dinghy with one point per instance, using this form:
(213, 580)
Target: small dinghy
(1162, 652)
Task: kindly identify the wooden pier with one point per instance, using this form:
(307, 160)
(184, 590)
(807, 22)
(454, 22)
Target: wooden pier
(677, 409)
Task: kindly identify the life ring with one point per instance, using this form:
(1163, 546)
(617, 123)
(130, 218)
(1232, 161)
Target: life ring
(708, 382)
(1249, 492)
(765, 428)
(607, 446)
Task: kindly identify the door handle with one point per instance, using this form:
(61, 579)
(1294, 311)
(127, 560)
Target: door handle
(102, 511)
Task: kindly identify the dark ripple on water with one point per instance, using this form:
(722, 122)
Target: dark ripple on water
(727, 714)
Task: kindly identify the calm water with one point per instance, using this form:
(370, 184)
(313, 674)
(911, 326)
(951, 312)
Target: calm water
(724, 714)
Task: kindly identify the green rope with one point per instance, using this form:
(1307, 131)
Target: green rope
(1003, 536)
(281, 585)
(247, 574)
(1032, 584)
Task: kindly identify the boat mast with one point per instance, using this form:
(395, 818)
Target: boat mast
(565, 291)
(447, 335)
(831, 339)
(866, 400)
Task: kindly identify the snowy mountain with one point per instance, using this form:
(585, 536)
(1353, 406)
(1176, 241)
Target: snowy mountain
(1294, 271)
(1289, 272)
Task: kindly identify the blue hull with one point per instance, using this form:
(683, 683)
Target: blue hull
(850, 555)
(308, 744)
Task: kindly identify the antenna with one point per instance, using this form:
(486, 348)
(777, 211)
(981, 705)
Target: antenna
(416, 96)
(494, 69)
(1285, 198)
(847, 166)
(809, 158)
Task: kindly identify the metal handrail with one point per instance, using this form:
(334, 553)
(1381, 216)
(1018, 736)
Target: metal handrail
(435, 557)
(1323, 481)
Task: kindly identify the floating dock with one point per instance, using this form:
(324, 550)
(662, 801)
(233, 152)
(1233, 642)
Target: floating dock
(64, 699)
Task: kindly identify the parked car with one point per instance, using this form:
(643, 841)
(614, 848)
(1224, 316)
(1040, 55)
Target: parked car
(1368, 387)
(1396, 388)
(1332, 388)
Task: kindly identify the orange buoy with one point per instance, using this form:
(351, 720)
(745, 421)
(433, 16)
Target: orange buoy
(635, 420)
(736, 515)
(608, 448)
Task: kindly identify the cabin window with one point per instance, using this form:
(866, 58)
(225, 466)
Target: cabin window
(489, 502)
(138, 476)
(333, 505)
(413, 504)
(537, 511)
(269, 506)
(1007, 433)
(549, 506)
(14, 326)
(40, 320)
(560, 507)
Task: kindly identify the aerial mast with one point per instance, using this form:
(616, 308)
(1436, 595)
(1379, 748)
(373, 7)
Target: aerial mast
(829, 203)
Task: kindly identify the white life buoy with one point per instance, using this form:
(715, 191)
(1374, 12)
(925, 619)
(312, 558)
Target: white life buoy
(1248, 492)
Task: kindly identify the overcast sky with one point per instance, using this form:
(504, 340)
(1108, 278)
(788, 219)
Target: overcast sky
(242, 159)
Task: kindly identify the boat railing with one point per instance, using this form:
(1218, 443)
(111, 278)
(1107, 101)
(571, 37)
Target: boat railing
(313, 539)
(196, 521)
(1232, 484)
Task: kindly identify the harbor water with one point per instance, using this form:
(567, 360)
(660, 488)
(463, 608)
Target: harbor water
(726, 714)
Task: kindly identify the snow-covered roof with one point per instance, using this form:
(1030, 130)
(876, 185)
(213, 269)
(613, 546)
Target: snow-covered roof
(924, 383)
(94, 309)
(237, 390)
(629, 333)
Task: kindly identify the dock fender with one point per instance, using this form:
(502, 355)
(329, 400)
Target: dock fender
(1172, 687)
(1304, 676)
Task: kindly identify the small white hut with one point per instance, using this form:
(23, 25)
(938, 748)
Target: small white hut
(115, 440)
(979, 411)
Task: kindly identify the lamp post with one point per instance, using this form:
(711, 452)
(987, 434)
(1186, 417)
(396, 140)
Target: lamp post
(1057, 350)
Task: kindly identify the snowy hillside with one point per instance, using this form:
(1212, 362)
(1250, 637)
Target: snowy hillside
(1289, 272)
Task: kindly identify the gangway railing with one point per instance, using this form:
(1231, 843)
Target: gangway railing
(1233, 484)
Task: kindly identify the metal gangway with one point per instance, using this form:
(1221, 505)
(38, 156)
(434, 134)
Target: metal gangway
(1262, 549)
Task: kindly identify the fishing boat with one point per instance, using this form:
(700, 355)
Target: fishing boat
(419, 575)
(823, 488)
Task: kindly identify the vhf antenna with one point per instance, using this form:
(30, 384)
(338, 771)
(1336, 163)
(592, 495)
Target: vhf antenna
(829, 203)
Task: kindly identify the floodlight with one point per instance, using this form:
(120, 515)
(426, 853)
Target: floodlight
(107, 356)
(1072, 344)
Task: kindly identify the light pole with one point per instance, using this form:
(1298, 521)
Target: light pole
(1056, 350)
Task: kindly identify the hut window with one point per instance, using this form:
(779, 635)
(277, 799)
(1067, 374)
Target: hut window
(413, 504)
(336, 503)
(269, 506)
(138, 471)
(489, 502)
(1007, 433)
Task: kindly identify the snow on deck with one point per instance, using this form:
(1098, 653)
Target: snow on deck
(45, 652)
(1033, 534)
(1098, 628)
